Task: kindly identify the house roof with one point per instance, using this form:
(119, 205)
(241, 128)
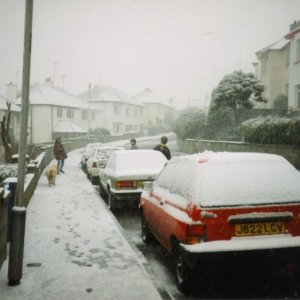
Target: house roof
(103, 93)
(147, 96)
(3, 105)
(67, 126)
(274, 46)
(45, 94)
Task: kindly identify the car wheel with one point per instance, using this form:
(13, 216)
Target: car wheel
(182, 272)
(146, 233)
(101, 190)
(111, 201)
(95, 180)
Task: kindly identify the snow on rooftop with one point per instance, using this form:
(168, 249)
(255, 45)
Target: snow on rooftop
(147, 96)
(274, 46)
(3, 105)
(67, 126)
(103, 93)
(45, 94)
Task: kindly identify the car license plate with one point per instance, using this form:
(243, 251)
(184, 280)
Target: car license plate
(259, 228)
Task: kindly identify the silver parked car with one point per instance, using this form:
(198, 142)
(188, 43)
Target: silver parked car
(125, 173)
(97, 161)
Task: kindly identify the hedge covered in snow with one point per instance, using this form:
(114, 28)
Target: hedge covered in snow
(272, 130)
(8, 170)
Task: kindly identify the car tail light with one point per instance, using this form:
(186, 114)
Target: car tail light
(94, 165)
(125, 184)
(195, 233)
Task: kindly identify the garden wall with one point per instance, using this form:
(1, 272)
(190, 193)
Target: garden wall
(291, 153)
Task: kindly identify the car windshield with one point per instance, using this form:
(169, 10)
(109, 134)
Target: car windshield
(104, 154)
(248, 183)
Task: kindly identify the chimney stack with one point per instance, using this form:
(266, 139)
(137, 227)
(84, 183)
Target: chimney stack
(11, 92)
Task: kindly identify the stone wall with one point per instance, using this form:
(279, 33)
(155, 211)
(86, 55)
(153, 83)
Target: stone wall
(291, 153)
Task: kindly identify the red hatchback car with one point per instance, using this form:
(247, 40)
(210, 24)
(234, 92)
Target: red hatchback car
(217, 204)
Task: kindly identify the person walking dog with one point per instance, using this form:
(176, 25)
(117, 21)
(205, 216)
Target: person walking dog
(59, 154)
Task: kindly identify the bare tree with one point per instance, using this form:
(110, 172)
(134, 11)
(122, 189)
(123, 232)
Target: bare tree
(10, 146)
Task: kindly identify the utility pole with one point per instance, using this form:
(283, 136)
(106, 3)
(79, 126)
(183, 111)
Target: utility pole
(89, 119)
(54, 64)
(19, 210)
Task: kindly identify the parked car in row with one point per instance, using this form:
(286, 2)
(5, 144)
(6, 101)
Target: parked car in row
(125, 173)
(86, 154)
(98, 160)
(217, 205)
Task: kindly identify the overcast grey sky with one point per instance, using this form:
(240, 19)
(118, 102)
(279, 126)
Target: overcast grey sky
(177, 48)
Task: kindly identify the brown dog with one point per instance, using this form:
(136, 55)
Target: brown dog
(51, 174)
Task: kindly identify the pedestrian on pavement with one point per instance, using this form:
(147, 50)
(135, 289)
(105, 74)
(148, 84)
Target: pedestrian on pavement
(163, 148)
(59, 154)
(133, 144)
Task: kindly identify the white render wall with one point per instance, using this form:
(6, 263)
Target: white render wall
(41, 124)
(294, 73)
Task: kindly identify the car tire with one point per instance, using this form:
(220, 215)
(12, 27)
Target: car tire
(111, 201)
(146, 233)
(95, 180)
(182, 272)
(101, 190)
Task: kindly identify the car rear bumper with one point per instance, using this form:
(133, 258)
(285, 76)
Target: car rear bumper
(265, 249)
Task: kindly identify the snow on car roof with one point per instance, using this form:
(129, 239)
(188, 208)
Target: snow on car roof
(234, 179)
(129, 161)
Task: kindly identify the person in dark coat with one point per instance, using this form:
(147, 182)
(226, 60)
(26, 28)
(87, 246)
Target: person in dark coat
(163, 148)
(133, 144)
(59, 154)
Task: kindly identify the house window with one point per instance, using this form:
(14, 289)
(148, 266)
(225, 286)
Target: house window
(116, 127)
(127, 111)
(84, 114)
(70, 114)
(298, 50)
(128, 127)
(59, 112)
(135, 112)
(141, 112)
(93, 115)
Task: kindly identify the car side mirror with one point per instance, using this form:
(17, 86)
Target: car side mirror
(148, 186)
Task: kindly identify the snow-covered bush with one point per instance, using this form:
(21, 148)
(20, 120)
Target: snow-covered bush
(221, 125)
(190, 123)
(8, 170)
(272, 130)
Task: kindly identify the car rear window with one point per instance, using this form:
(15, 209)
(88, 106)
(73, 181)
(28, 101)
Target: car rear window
(136, 161)
(248, 183)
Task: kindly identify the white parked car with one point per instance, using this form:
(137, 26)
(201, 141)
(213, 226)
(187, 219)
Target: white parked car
(89, 148)
(125, 173)
(98, 160)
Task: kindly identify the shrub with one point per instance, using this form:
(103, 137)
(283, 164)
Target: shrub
(272, 130)
(8, 170)
(190, 123)
(221, 125)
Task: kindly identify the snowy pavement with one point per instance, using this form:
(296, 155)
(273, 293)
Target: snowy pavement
(81, 248)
